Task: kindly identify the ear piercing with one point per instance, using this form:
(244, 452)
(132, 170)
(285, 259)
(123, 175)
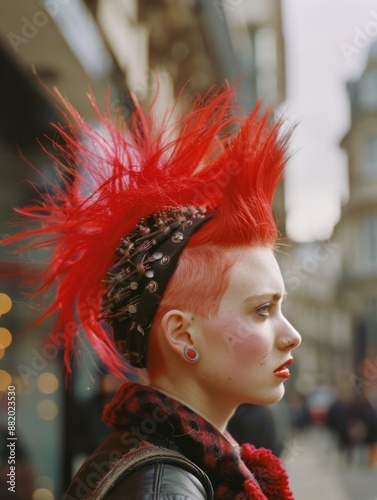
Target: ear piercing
(191, 354)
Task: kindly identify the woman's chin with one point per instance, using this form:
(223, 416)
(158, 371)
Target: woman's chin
(269, 398)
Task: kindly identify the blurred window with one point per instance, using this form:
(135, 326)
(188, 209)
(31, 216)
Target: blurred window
(248, 84)
(371, 321)
(370, 163)
(258, 61)
(266, 63)
(368, 90)
(369, 242)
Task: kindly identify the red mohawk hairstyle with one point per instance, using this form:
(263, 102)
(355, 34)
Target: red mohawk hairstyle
(113, 178)
(249, 170)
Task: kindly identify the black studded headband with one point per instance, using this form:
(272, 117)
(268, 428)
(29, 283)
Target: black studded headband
(147, 258)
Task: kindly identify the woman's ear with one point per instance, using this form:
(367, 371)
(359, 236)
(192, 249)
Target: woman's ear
(179, 329)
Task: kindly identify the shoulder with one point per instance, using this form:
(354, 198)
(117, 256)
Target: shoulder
(159, 480)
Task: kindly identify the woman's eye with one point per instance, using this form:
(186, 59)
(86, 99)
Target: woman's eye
(264, 310)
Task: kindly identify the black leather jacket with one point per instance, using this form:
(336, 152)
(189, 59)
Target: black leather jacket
(156, 481)
(159, 481)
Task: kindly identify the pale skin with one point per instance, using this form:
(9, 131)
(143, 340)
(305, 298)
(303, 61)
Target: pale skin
(240, 347)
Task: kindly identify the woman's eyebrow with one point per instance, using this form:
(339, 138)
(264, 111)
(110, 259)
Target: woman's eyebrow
(279, 296)
(275, 297)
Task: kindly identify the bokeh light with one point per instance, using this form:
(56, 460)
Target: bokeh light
(5, 380)
(47, 383)
(47, 409)
(42, 494)
(5, 303)
(5, 338)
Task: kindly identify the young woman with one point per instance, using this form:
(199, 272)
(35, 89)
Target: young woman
(166, 233)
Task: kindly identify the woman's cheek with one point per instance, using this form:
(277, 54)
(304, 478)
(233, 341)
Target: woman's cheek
(242, 337)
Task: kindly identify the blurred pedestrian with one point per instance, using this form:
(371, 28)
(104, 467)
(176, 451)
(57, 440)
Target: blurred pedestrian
(354, 422)
(255, 424)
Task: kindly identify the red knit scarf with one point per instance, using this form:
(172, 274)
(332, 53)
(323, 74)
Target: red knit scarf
(251, 474)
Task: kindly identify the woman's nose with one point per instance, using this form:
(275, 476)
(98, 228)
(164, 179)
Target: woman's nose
(289, 338)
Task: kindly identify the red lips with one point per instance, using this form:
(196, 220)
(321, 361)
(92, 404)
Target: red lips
(282, 371)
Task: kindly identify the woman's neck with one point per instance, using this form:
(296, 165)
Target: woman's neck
(216, 414)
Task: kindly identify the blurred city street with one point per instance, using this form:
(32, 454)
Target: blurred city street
(317, 471)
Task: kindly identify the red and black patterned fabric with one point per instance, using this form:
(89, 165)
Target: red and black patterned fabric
(235, 473)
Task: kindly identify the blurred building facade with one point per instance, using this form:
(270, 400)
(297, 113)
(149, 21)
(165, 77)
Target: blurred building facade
(332, 284)
(198, 43)
(357, 230)
(130, 45)
(310, 272)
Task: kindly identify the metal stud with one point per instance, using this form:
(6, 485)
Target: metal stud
(165, 260)
(152, 286)
(157, 255)
(177, 237)
(140, 329)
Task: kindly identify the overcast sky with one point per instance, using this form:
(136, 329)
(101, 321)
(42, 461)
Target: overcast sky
(322, 53)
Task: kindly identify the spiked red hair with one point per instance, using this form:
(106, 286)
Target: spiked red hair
(111, 180)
